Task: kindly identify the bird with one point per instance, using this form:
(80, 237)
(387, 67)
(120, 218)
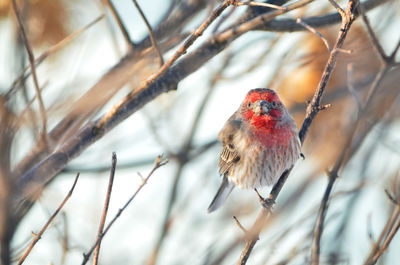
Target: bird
(259, 142)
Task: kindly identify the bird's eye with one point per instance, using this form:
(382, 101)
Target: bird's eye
(249, 104)
(274, 105)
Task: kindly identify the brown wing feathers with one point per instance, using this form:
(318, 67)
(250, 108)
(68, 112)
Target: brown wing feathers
(229, 156)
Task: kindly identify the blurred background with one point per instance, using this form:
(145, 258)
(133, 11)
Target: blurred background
(91, 54)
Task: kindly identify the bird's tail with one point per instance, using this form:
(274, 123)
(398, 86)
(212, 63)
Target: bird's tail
(223, 193)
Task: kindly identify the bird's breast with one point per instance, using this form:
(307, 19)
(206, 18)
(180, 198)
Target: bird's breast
(263, 158)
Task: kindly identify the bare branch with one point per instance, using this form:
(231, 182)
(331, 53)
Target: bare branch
(37, 236)
(152, 38)
(313, 30)
(7, 134)
(120, 23)
(385, 238)
(386, 243)
(105, 209)
(157, 164)
(371, 33)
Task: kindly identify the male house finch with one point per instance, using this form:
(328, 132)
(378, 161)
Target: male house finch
(259, 142)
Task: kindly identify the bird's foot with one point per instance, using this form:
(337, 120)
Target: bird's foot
(267, 203)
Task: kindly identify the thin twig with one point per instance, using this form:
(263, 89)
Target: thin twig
(391, 198)
(338, 8)
(158, 163)
(259, 21)
(251, 3)
(33, 67)
(387, 233)
(386, 243)
(311, 112)
(105, 209)
(240, 225)
(389, 230)
(316, 32)
(393, 55)
(152, 38)
(372, 35)
(120, 23)
(196, 34)
(37, 236)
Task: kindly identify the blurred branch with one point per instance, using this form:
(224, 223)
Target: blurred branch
(371, 34)
(24, 75)
(159, 162)
(193, 154)
(64, 238)
(105, 209)
(7, 134)
(385, 238)
(350, 86)
(31, 58)
(312, 111)
(37, 237)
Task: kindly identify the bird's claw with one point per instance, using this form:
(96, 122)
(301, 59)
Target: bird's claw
(267, 203)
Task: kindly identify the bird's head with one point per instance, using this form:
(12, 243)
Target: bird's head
(262, 104)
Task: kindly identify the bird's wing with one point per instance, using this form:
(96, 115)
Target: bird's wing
(229, 155)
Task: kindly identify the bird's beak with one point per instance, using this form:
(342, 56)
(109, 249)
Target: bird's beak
(261, 107)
